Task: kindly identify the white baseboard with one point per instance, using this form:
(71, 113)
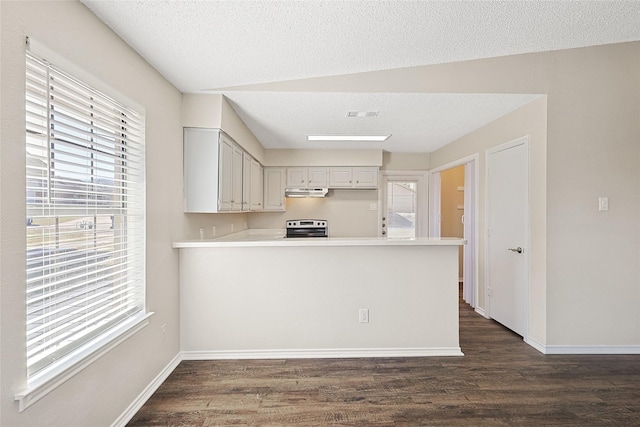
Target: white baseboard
(322, 353)
(582, 349)
(592, 349)
(481, 312)
(142, 398)
(535, 344)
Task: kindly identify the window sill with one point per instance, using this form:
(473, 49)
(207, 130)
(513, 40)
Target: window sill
(41, 387)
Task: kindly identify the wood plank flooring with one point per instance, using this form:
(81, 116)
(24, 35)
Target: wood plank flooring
(500, 381)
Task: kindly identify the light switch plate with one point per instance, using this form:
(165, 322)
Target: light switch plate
(603, 204)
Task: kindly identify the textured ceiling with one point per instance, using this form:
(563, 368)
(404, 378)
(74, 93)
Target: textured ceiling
(206, 46)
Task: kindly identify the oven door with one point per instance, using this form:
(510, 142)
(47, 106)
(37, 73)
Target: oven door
(306, 232)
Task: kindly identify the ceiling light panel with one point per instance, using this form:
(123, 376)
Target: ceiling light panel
(373, 138)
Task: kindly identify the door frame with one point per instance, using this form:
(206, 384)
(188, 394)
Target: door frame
(524, 140)
(434, 211)
(422, 208)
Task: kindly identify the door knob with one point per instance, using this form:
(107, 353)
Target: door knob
(518, 249)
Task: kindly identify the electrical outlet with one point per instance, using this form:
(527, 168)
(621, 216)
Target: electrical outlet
(363, 315)
(163, 331)
(245, 225)
(232, 227)
(213, 230)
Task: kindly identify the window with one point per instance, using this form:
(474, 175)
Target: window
(85, 220)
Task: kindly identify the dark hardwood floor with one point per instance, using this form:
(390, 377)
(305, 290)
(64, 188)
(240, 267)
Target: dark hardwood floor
(500, 381)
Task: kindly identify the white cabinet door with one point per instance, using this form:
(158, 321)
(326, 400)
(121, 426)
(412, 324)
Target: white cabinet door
(317, 177)
(307, 177)
(236, 181)
(201, 158)
(365, 177)
(356, 177)
(247, 196)
(340, 177)
(225, 175)
(274, 184)
(297, 177)
(256, 186)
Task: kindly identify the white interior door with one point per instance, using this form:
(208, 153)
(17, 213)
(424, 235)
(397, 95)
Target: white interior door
(404, 205)
(507, 233)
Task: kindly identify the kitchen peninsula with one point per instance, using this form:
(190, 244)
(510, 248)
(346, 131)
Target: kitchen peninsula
(257, 294)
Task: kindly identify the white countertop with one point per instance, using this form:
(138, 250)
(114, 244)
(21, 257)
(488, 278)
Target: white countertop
(276, 237)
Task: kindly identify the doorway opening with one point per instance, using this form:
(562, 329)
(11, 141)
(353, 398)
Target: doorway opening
(453, 213)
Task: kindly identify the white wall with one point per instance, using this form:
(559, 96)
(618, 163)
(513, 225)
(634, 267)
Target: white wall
(406, 161)
(309, 305)
(593, 150)
(101, 392)
(287, 157)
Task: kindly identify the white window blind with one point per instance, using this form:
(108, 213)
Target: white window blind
(85, 217)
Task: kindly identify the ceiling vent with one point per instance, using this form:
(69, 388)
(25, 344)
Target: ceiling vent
(363, 113)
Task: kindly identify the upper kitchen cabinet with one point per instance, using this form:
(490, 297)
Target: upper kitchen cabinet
(274, 184)
(353, 177)
(307, 177)
(222, 158)
(213, 172)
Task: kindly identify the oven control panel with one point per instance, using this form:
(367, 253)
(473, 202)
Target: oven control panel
(312, 223)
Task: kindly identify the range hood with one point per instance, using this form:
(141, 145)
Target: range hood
(305, 192)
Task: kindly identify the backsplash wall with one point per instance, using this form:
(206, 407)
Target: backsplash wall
(348, 212)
